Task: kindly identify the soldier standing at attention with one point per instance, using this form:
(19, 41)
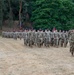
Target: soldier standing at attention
(72, 43)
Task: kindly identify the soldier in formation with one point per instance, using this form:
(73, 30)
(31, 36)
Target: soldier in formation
(39, 38)
(71, 40)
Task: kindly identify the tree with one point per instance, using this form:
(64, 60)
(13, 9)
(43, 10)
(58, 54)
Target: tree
(41, 13)
(20, 9)
(53, 13)
(1, 13)
(10, 14)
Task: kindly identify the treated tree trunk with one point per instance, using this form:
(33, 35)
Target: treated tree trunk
(20, 8)
(1, 14)
(10, 15)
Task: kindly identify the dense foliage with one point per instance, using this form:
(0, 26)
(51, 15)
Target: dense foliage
(53, 13)
(42, 13)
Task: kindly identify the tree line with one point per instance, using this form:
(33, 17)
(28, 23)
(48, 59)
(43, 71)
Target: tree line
(44, 14)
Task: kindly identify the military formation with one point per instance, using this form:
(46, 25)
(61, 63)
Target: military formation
(40, 38)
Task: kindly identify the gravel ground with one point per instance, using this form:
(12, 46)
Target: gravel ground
(17, 59)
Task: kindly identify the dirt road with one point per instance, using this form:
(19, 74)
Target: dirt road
(17, 59)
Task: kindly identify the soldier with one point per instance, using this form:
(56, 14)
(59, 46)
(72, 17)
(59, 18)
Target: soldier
(72, 43)
(66, 39)
(46, 38)
(31, 38)
(60, 38)
(15, 35)
(7, 34)
(52, 38)
(56, 38)
(36, 37)
(10, 34)
(40, 38)
(20, 34)
(25, 37)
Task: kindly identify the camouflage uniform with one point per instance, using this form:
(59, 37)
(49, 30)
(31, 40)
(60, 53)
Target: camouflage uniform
(36, 37)
(25, 37)
(56, 39)
(31, 38)
(40, 38)
(15, 35)
(47, 38)
(72, 43)
(66, 39)
(52, 38)
(60, 38)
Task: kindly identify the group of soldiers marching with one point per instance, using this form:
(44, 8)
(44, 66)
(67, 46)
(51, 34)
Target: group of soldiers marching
(45, 38)
(40, 38)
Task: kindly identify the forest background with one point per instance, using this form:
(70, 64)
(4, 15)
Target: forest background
(44, 14)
